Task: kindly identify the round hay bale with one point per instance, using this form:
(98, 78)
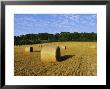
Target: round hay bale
(50, 54)
(40, 45)
(63, 47)
(29, 49)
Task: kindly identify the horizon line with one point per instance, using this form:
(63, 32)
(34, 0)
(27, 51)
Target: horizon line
(54, 33)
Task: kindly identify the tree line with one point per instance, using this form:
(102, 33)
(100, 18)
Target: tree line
(29, 39)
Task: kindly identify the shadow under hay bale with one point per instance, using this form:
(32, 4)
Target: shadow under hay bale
(65, 57)
(29, 49)
(50, 54)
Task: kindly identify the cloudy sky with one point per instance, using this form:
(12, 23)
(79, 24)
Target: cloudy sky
(54, 23)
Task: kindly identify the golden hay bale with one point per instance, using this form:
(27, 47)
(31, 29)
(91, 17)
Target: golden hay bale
(63, 47)
(29, 49)
(50, 54)
(40, 45)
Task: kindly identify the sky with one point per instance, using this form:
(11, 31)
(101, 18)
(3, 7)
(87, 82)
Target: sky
(54, 23)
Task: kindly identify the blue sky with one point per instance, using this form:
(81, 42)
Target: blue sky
(54, 23)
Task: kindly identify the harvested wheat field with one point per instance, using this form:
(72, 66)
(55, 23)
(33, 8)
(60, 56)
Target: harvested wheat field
(78, 59)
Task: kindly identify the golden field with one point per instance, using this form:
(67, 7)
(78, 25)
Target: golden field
(79, 59)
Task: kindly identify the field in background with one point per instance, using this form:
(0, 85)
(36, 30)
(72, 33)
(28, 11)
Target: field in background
(79, 59)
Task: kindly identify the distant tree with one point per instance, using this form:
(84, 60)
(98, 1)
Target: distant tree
(46, 37)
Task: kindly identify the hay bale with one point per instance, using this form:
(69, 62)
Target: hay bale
(29, 49)
(50, 54)
(63, 47)
(40, 45)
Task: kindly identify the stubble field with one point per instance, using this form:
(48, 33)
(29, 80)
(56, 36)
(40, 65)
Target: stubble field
(79, 59)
